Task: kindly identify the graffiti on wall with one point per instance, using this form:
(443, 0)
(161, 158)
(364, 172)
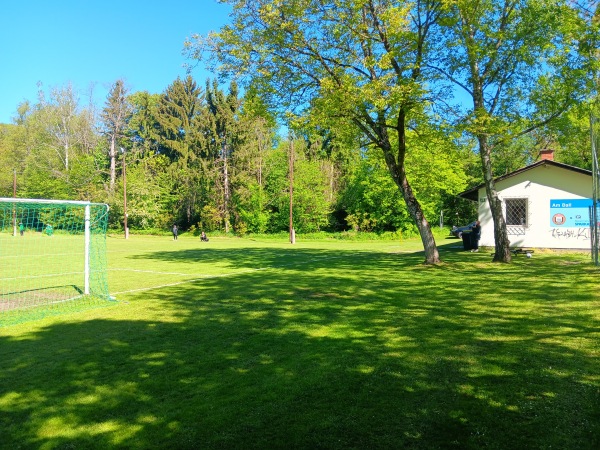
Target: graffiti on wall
(571, 233)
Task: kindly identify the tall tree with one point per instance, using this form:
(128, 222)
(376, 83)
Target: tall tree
(115, 115)
(517, 61)
(143, 125)
(60, 141)
(356, 60)
(224, 138)
(178, 110)
(311, 205)
(256, 140)
(178, 117)
(249, 177)
(58, 115)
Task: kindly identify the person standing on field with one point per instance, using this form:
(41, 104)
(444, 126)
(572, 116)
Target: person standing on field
(21, 228)
(175, 232)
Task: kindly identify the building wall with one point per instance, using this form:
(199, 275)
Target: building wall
(558, 224)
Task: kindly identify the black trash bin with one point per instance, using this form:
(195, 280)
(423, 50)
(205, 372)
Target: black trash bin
(467, 238)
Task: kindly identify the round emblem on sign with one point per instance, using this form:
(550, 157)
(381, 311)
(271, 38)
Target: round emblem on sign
(559, 219)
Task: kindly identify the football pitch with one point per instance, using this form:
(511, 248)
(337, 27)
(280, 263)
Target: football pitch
(260, 344)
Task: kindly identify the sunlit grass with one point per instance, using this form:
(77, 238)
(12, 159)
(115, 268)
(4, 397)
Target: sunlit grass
(243, 343)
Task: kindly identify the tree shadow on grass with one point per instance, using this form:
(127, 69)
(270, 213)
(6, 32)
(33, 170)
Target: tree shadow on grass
(368, 350)
(290, 258)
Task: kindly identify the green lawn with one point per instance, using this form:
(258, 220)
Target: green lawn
(251, 344)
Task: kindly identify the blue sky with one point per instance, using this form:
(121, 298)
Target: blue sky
(97, 42)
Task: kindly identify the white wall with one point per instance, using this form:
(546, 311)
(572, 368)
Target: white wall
(540, 185)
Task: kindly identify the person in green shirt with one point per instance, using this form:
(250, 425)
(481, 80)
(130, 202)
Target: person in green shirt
(49, 230)
(21, 228)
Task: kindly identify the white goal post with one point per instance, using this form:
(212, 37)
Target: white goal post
(51, 252)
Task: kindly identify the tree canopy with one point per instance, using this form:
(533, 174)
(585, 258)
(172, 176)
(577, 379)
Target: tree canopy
(371, 93)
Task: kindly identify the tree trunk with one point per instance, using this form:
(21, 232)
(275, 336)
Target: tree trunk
(112, 154)
(502, 251)
(432, 255)
(225, 189)
(66, 133)
(396, 169)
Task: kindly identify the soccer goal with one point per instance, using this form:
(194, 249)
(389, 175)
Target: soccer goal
(52, 257)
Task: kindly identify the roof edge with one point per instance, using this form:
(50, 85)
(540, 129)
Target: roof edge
(473, 193)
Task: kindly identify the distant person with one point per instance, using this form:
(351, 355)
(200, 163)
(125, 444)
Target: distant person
(476, 235)
(49, 230)
(203, 237)
(21, 228)
(175, 232)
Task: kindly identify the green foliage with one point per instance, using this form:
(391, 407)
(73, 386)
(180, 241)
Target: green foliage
(311, 208)
(177, 112)
(250, 171)
(571, 135)
(149, 194)
(250, 203)
(143, 125)
(372, 200)
(437, 169)
(211, 219)
(85, 180)
(117, 111)
(352, 63)
(366, 89)
(38, 181)
(56, 149)
(12, 156)
(221, 140)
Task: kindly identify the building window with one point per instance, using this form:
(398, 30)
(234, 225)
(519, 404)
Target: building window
(516, 211)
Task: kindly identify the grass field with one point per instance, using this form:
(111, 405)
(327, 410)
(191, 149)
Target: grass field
(44, 275)
(250, 344)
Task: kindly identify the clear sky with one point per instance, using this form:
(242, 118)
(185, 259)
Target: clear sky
(94, 43)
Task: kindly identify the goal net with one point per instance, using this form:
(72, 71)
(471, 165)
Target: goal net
(52, 257)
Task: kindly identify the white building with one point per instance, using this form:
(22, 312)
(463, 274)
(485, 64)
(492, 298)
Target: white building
(545, 205)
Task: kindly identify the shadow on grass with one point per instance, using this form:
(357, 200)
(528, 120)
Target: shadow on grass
(252, 258)
(321, 349)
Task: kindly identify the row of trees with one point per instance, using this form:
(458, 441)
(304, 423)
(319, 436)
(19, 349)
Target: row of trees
(389, 109)
(388, 67)
(210, 159)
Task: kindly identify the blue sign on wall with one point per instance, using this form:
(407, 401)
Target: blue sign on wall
(570, 212)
